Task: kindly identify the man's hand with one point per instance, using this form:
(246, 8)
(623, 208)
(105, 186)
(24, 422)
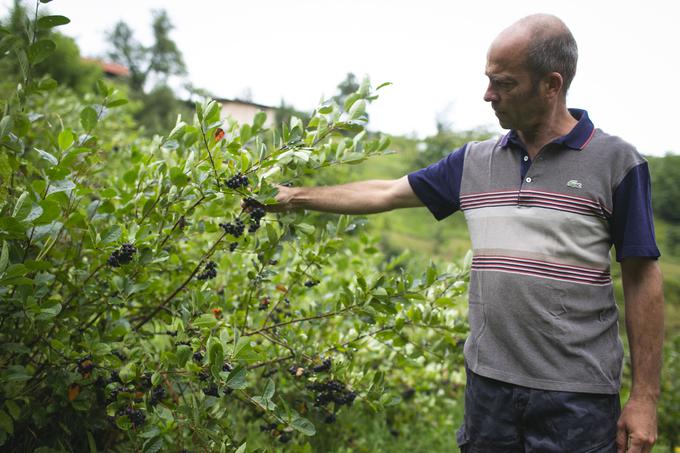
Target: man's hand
(283, 199)
(636, 428)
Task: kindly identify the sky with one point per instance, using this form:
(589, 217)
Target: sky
(433, 51)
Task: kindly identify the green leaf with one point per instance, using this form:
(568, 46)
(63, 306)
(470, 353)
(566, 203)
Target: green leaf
(88, 118)
(19, 205)
(304, 426)
(39, 50)
(305, 228)
(47, 156)
(16, 373)
(29, 212)
(357, 110)
(6, 422)
(242, 448)
(11, 228)
(116, 102)
(60, 186)
(183, 354)
(245, 133)
(47, 84)
(258, 121)
(382, 85)
(112, 234)
(215, 356)
(50, 211)
(351, 99)
(128, 372)
(205, 320)
(5, 126)
(52, 21)
(13, 408)
(269, 390)
(4, 256)
(91, 443)
(23, 62)
(237, 378)
(65, 139)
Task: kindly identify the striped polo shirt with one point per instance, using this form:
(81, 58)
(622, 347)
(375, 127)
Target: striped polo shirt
(541, 307)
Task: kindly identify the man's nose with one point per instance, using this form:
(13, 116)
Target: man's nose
(490, 95)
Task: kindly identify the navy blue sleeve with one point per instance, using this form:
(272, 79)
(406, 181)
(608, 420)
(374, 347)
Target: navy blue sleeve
(438, 186)
(632, 223)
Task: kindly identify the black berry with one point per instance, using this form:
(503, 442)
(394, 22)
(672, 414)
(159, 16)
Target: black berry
(235, 229)
(209, 272)
(211, 390)
(325, 366)
(236, 181)
(121, 256)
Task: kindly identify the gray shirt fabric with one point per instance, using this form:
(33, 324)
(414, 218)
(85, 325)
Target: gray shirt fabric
(541, 307)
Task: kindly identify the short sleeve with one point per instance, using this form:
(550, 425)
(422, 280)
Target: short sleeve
(438, 186)
(632, 223)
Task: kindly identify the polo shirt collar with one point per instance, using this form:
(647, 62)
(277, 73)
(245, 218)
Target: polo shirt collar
(576, 139)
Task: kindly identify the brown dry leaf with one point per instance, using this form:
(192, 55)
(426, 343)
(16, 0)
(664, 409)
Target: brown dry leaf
(73, 391)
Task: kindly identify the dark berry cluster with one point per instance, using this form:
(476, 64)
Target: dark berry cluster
(268, 427)
(145, 380)
(330, 418)
(85, 366)
(157, 395)
(235, 229)
(325, 366)
(256, 211)
(311, 283)
(233, 246)
(236, 181)
(136, 416)
(211, 390)
(121, 256)
(332, 391)
(209, 272)
(226, 366)
(198, 356)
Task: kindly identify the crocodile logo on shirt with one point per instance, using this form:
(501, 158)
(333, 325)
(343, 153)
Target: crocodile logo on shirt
(575, 183)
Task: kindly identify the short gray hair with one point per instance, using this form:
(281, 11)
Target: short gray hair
(552, 51)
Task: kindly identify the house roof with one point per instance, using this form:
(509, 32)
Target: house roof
(239, 101)
(113, 69)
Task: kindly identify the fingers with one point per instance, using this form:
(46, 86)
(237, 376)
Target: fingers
(621, 438)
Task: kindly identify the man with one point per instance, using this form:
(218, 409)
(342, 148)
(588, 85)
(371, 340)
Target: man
(544, 204)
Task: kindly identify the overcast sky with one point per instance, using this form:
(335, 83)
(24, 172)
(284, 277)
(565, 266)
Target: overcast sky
(432, 50)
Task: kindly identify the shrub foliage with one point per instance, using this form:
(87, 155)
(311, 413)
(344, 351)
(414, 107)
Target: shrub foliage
(148, 302)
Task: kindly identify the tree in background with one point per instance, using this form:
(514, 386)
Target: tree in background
(158, 62)
(162, 59)
(64, 64)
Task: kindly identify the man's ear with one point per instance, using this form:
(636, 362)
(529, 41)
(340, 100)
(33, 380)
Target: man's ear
(553, 83)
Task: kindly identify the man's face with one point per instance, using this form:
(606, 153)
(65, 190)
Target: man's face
(514, 96)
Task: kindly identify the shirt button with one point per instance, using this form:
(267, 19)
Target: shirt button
(526, 158)
(528, 180)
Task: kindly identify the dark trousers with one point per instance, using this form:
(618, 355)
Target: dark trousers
(507, 418)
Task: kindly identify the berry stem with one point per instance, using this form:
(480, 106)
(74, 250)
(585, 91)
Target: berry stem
(172, 295)
(299, 320)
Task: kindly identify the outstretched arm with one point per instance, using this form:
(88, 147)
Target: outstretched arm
(643, 294)
(363, 197)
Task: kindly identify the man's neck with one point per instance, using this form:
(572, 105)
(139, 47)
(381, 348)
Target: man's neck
(556, 123)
